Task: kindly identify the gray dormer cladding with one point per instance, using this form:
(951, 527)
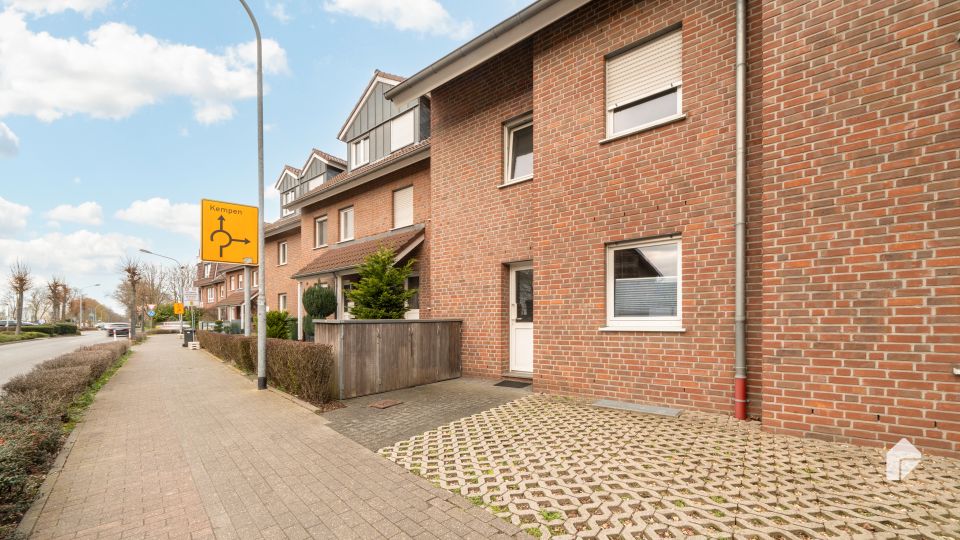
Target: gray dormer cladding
(316, 174)
(373, 120)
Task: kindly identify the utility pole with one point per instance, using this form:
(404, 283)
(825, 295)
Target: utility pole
(261, 277)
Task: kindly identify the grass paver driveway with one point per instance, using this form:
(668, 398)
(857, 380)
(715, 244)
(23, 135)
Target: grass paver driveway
(561, 468)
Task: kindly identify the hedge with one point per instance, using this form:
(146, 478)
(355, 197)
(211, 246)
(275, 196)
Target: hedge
(33, 409)
(303, 369)
(56, 329)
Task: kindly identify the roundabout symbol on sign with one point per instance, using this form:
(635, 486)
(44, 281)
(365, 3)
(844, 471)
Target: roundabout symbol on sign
(229, 237)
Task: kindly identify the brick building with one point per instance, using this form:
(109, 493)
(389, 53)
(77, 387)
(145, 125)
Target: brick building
(584, 201)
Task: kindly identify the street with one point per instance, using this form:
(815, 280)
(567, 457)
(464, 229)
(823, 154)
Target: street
(17, 358)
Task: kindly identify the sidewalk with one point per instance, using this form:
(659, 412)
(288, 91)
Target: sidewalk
(178, 445)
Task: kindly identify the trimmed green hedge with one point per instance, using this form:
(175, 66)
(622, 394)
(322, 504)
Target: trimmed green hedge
(56, 329)
(303, 369)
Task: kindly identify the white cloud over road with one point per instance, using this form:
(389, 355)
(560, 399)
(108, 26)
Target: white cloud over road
(424, 16)
(49, 7)
(80, 252)
(88, 213)
(158, 212)
(115, 70)
(9, 142)
(13, 217)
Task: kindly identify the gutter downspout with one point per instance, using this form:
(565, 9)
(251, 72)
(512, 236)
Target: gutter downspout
(740, 324)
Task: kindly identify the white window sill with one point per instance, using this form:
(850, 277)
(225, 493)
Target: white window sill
(516, 181)
(282, 264)
(320, 247)
(640, 328)
(645, 127)
(401, 227)
(345, 240)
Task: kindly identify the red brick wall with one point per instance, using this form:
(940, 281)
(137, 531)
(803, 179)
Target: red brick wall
(861, 273)
(478, 227)
(279, 277)
(373, 214)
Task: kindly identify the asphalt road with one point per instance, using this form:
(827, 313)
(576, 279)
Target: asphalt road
(20, 357)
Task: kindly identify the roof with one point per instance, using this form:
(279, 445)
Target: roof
(287, 170)
(236, 298)
(326, 157)
(369, 171)
(501, 37)
(378, 76)
(351, 255)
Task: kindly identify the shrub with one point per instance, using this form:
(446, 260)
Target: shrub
(305, 370)
(320, 302)
(218, 326)
(381, 292)
(47, 329)
(277, 324)
(64, 329)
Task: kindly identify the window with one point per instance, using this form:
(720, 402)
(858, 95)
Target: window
(256, 282)
(403, 207)
(282, 253)
(320, 232)
(240, 280)
(413, 282)
(211, 294)
(223, 291)
(643, 83)
(282, 302)
(644, 285)
(401, 131)
(233, 283)
(287, 198)
(360, 152)
(346, 224)
(518, 151)
(206, 270)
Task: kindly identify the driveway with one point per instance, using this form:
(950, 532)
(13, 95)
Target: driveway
(20, 357)
(421, 408)
(562, 468)
(178, 445)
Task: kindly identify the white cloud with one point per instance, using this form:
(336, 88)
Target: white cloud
(9, 142)
(13, 216)
(424, 16)
(81, 252)
(49, 7)
(88, 213)
(183, 218)
(115, 70)
(279, 11)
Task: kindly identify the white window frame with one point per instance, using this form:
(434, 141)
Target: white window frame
(211, 294)
(398, 122)
(287, 198)
(256, 282)
(508, 129)
(644, 324)
(677, 85)
(206, 270)
(240, 280)
(281, 253)
(282, 302)
(361, 157)
(316, 232)
(353, 224)
(395, 192)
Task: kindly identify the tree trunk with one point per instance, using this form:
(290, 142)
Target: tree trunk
(133, 313)
(19, 313)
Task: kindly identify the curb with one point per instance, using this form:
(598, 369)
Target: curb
(289, 397)
(29, 521)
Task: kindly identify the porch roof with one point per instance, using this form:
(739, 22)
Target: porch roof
(351, 255)
(235, 299)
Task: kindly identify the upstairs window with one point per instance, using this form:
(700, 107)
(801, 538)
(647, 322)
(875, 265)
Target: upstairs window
(643, 83)
(287, 198)
(320, 232)
(211, 294)
(403, 207)
(282, 253)
(256, 282)
(282, 302)
(346, 224)
(401, 131)
(360, 152)
(644, 285)
(233, 283)
(518, 150)
(240, 281)
(206, 270)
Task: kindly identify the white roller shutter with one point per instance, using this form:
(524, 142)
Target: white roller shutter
(644, 70)
(401, 131)
(403, 207)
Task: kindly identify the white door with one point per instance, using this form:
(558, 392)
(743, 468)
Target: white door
(521, 317)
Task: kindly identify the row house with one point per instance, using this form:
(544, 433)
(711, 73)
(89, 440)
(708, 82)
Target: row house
(221, 291)
(740, 207)
(597, 226)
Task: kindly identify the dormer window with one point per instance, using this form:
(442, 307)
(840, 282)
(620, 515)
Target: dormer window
(206, 270)
(360, 152)
(287, 198)
(401, 131)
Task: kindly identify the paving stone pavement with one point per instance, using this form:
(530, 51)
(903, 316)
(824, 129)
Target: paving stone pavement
(423, 408)
(178, 445)
(562, 468)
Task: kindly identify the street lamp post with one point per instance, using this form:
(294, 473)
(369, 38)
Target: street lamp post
(261, 274)
(180, 278)
(81, 302)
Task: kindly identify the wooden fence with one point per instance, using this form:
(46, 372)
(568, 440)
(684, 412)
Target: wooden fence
(379, 356)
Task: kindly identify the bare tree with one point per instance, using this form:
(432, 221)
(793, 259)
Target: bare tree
(66, 294)
(179, 279)
(19, 283)
(38, 303)
(56, 287)
(153, 284)
(128, 290)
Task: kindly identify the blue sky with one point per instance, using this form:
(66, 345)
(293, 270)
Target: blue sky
(117, 117)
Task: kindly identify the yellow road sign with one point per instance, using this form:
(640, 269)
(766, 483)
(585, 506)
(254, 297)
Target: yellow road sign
(178, 308)
(228, 232)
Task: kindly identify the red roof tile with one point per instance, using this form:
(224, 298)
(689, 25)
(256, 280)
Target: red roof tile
(353, 254)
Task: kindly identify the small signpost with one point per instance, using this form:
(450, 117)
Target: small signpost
(178, 308)
(151, 313)
(191, 297)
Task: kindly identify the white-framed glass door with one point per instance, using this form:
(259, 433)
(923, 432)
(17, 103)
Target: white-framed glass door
(521, 317)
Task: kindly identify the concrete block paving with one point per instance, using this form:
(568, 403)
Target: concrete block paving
(560, 468)
(178, 445)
